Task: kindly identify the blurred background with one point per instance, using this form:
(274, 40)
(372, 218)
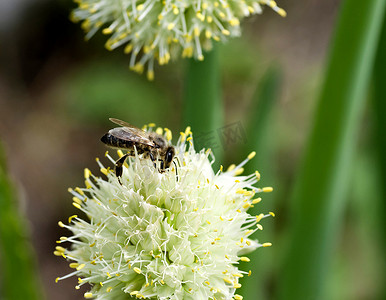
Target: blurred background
(58, 91)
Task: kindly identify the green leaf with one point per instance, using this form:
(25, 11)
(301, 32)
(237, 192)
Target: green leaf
(18, 275)
(379, 96)
(320, 192)
(259, 132)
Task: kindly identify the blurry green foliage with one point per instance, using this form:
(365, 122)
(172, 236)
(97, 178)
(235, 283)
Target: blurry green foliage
(100, 90)
(18, 278)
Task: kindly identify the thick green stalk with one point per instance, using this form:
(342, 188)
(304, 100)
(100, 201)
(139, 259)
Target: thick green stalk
(321, 187)
(203, 109)
(18, 273)
(260, 133)
(379, 96)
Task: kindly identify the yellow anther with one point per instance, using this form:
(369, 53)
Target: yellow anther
(207, 282)
(74, 265)
(61, 224)
(259, 226)
(87, 173)
(80, 267)
(76, 205)
(168, 134)
(239, 211)
(244, 258)
(151, 124)
(84, 5)
(216, 186)
(200, 57)
(227, 280)
(109, 289)
(72, 217)
(234, 22)
(251, 155)
(238, 297)
(208, 34)
(231, 167)
(60, 249)
(255, 201)
(239, 171)
(107, 31)
(176, 10)
(79, 191)
(249, 273)
(247, 205)
(259, 217)
(92, 245)
(248, 242)
(208, 222)
(87, 184)
(251, 9)
(237, 285)
(57, 279)
(76, 200)
(137, 270)
(128, 48)
(133, 293)
(267, 244)
(272, 4)
(163, 282)
(88, 295)
(108, 274)
(63, 238)
(209, 19)
(200, 16)
(159, 131)
(272, 213)
(104, 171)
(267, 189)
(171, 26)
(150, 75)
(204, 5)
(196, 31)
(240, 191)
(100, 283)
(140, 7)
(120, 153)
(282, 12)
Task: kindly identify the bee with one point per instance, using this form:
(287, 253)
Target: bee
(149, 144)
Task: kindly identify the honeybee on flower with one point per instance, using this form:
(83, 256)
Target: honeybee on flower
(154, 237)
(159, 30)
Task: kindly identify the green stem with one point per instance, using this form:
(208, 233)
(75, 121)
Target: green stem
(260, 135)
(380, 129)
(203, 109)
(19, 278)
(321, 187)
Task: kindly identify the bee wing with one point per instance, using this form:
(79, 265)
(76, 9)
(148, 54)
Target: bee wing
(122, 123)
(132, 134)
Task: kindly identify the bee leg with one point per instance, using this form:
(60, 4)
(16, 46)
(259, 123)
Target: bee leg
(176, 170)
(118, 167)
(153, 159)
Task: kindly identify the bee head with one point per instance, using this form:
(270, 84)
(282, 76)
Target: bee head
(169, 156)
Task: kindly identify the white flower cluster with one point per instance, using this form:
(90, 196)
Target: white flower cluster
(171, 235)
(161, 29)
